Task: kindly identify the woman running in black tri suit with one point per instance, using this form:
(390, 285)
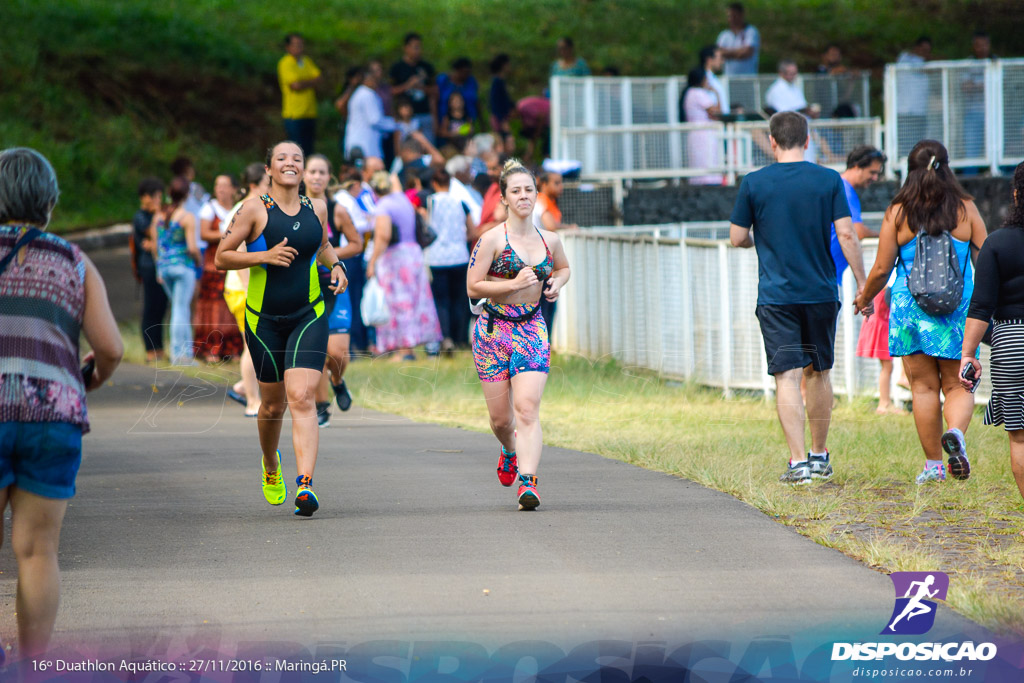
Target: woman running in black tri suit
(285, 235)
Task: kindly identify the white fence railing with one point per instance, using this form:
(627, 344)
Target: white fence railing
(974, 107)
(710, 153)
(597, 101)
(685, 308)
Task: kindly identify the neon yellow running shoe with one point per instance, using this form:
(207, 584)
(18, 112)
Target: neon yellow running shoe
(274, 489)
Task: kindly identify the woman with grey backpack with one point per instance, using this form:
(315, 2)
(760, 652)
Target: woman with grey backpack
(999, 300)
(927, 235)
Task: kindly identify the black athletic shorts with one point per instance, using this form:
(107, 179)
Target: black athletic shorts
(798, 335)
(277, 345)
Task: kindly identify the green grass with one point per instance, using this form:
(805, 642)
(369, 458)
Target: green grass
(870, 510)
(113, 90)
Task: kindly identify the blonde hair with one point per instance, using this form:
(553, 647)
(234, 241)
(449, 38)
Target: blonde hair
(380, 182)
(511, 167)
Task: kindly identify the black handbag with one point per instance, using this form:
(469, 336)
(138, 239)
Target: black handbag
(425, 235)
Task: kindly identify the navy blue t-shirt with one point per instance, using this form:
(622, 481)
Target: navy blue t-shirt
(791, 208)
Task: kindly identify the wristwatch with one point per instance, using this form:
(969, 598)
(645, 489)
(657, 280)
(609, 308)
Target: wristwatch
(343, 268)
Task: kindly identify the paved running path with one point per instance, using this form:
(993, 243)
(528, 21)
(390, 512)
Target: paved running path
(169, 533)
(169, 542)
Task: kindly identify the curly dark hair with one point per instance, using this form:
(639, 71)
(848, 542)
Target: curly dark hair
(1016, 215)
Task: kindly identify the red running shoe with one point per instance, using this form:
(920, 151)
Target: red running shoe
(508, 468)
(529, 499)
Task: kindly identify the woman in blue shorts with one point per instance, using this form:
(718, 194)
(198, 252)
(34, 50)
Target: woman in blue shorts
(285, 234)
(510, 339)
(346, 242)
(49, 293)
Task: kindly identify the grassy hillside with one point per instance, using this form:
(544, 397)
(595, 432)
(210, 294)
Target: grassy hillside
(112, 90)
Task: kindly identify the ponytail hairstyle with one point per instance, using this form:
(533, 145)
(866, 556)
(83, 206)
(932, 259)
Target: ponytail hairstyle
(1016, 215)
(931, 200)
(251, 176)
(513, 166)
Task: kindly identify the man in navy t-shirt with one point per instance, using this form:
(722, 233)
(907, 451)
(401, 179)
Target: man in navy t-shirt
(791, 206)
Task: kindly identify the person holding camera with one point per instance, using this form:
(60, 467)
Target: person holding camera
(999, 298)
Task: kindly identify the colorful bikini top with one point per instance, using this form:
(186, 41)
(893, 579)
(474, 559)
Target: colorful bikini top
(507, 264)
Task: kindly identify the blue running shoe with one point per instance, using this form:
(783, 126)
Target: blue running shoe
(306, 502)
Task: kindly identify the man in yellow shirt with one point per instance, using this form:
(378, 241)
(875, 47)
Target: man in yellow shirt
(298, 76)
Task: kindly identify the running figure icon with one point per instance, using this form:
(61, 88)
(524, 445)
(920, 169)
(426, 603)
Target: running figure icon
(916, 606)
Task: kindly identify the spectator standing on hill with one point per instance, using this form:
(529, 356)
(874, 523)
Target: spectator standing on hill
(703, 147)
(740, 43)
(931, 207)
(712, 62)
(456, 124)
(912, 85)
(298, 77)
(789, 206)
(367, 122)
(567, 63)
(50, 294)
(500, 104)
(999, 298)
(414, 77)
(460, 80)
(154, 298)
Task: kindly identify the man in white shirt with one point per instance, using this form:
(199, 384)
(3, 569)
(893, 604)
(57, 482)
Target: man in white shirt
(740, 43)
(712, 61)
(366, 120)
(458, 169)
(787, 93)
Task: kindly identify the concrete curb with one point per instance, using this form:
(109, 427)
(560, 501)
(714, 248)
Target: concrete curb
(101, 238)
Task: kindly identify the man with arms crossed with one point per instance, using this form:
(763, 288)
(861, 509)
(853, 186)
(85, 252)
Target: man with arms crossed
(790, 206)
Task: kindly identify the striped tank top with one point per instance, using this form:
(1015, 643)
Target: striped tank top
(42, 301)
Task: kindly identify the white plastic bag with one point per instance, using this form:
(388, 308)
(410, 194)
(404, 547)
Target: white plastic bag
(374, 307)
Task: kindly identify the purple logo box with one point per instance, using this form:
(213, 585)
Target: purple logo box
(901, 582)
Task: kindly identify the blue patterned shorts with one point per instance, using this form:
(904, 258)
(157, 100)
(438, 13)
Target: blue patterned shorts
(511, 347)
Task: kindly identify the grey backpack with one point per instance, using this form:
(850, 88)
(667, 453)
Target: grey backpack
(935, 280)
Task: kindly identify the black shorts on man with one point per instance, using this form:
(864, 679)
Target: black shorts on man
(798, 335)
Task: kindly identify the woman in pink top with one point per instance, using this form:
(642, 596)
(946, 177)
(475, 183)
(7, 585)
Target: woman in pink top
(704, 148)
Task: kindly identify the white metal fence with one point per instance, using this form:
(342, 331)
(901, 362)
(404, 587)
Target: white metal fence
(629, 128)
(710, 153)
(974, 107)
(685, 309)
